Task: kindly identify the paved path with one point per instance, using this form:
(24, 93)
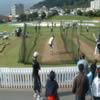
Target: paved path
(27, 94)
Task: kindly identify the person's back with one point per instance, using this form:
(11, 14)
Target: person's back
(51, 87)
(80, 84)
(36, 67)
(35, 76)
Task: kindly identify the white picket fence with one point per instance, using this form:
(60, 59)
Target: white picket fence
(22, 77)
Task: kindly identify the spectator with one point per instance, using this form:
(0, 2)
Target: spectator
(95, 88)
(91, 76)
(80, 84)
(35, 76)
(51, 87)
(95, 62)
(83, 61)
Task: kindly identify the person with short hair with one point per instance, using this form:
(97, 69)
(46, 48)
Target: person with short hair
(95, 88)
(35, 75)
(51, 87)
(80, 84)
(83, 61)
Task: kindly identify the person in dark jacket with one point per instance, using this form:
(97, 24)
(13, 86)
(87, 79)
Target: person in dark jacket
(35, 76)
(80, 84)
(51, 87)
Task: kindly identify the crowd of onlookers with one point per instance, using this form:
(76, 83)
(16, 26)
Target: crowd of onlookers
(83, 81)
(81, 84)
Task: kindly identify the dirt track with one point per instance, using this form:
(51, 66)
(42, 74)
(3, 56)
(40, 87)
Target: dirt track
(55, 55)
(58, 53)
(88, 50)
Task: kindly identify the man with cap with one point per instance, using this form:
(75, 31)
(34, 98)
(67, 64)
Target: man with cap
(35, 75)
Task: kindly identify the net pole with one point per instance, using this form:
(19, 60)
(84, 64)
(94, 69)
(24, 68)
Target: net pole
(24, 42)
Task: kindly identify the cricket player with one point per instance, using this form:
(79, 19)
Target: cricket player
(97, 48)
(51, 43)
(36, 76)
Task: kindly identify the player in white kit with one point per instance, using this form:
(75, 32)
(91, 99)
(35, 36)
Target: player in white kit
(51, 43)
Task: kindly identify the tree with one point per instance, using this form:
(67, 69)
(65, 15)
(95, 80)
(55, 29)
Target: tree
(22, 17)
(79, 12)
(97, 13)
(90, 13)
(67, 11)
(35, 15)
(43, 15)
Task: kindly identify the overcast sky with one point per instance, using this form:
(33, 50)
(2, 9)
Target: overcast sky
(5, 5)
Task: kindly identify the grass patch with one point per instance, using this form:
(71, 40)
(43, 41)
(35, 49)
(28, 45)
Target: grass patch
(70, 18)
(9, 56)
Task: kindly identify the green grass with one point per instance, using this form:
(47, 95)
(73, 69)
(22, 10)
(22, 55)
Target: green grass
(43, 37)
(71, 17)
(6, 27)
(10, 56)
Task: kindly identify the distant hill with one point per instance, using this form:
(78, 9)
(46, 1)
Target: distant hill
(63, 3)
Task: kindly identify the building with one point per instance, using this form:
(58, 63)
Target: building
(43, 9)
(3, 18)
(17, 9)
(95, 5)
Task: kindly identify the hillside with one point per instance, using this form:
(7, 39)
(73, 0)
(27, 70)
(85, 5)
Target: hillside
(63, 3)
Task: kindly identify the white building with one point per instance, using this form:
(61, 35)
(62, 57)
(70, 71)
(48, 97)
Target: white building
(95, 5)
(17, 9)
(43, 9)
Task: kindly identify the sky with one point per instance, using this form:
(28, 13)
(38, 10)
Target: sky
(5, 5)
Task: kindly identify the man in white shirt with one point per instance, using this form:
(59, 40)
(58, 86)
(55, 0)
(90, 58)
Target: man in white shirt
(51, 42)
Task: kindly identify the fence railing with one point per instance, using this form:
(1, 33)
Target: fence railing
(22, 77)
